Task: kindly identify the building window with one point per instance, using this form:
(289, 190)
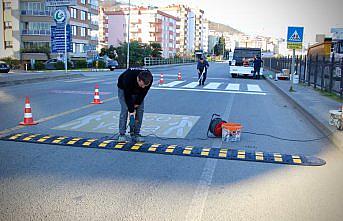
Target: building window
(8, 44)
(83, 15)
(82, 48)
(73, 12)
(74, 30)
(7, 5)
(83, 32)
(8, 25)
(83, 2)
(74, 47)
(88, 16)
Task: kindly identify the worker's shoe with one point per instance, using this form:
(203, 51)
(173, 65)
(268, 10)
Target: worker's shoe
(137, 138)
(122, 138)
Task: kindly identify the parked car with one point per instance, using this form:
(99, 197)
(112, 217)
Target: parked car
(109, 63)
(51, 63)
(4, 68)
(112, 64)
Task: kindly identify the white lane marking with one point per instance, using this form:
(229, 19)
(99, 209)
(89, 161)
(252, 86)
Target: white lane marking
(76, 92)
(113, 82)
(210, 91)
(196, 207)
(94, 81)
(77, 80)
(191, 85)
(212, 85)
(232, 87)
(254, 87)
(172, 84)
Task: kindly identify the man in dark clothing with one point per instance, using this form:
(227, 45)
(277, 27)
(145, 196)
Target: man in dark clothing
(133, 85)
(257, 66)
(202, 70)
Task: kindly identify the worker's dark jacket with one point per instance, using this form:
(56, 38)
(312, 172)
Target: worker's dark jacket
(258, 63)
(133, 93)
(203, 65)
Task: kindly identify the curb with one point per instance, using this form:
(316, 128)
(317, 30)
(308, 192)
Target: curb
(38, 79)
(334, 138)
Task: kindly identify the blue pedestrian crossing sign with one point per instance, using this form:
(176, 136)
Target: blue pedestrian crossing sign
(295, 37)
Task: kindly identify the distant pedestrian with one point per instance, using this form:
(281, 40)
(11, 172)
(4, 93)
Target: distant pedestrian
(202, 67)
(257, 66)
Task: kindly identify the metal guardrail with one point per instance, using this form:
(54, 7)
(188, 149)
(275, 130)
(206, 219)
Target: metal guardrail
(148, 61)
(320, 72)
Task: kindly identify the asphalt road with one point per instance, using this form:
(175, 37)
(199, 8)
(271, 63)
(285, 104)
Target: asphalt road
(46, 182)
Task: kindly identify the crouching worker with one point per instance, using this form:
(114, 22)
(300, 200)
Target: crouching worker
(133, 85)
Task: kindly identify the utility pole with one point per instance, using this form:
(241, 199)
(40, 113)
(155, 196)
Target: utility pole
(128, 38)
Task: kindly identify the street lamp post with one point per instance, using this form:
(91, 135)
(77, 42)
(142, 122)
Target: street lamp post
(128, 38)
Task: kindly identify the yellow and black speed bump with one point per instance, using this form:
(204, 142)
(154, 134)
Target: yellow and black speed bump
(217, 153)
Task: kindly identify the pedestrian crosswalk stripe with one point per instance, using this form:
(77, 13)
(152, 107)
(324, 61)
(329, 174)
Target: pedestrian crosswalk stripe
(212, 85)
(254, 87)
(208, 91)
(77, 80)
(191, 85)
(232, 87)
(94, 81)
(173, 83)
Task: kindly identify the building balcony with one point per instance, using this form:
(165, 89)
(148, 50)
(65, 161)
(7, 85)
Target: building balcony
(36, 12)
(35, 32)
(94, 38)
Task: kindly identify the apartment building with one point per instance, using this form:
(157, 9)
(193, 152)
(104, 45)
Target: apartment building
(199, 30)
(184, 33)
(103, 29)
(84, 21)
(146, 26)
(9, 27)
(31, 26)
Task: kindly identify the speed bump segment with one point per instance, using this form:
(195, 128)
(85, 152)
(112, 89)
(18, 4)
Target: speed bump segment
(179, 150)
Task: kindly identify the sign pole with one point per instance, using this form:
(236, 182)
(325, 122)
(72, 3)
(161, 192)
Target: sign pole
(65, 49)
(294, 41)
(292, 71)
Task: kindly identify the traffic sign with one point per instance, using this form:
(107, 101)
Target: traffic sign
(295, 37)
(61, 16)
(59, 3)
(58, 39)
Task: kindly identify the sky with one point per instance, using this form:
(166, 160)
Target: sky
(268, 18)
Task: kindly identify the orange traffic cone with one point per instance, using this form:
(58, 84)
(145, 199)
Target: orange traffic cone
(96, 99)
(28, 120)
(161, 79)
(179, 77)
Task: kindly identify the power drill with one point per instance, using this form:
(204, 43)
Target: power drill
(132, 124)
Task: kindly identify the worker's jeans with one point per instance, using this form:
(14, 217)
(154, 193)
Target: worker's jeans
(124, 114)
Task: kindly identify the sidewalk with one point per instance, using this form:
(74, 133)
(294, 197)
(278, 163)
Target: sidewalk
(313, 105)
(7, 79)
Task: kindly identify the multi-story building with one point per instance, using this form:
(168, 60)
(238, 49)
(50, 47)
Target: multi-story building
(146, 26)
(199, 30)
(192, 28)
(103, 29)
(84, 21)
(9, 28)
(184, 34)
(31, 21)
